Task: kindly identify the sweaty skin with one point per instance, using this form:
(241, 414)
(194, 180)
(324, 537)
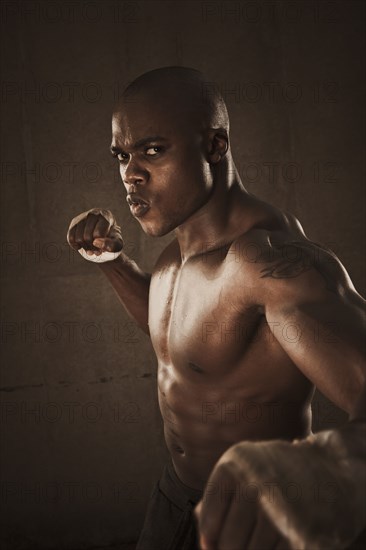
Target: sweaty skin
(227, 349)
(246, 315)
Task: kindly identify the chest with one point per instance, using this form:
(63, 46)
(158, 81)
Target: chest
(200, 314)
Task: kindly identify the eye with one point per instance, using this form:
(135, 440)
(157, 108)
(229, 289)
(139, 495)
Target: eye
(122, 157)
(152, 151)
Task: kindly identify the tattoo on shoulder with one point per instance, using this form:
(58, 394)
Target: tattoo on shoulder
(283, 269)
(297, 258)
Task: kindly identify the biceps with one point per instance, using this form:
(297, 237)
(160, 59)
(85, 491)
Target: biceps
(326, 342)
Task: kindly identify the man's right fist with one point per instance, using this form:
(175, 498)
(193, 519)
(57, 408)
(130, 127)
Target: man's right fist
(96, 235)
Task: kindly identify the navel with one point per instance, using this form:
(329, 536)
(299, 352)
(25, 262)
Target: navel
(196, 368)
(178, 449)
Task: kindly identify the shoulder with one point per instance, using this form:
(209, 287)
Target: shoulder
(282, 263)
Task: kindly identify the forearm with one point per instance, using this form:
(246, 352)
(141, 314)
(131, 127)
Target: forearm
(132, 287)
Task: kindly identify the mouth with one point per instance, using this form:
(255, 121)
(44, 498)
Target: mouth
(138, 206)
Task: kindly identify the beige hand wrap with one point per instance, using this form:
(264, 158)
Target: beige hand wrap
(105, 256)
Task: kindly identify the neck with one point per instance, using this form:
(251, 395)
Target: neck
(220, 219)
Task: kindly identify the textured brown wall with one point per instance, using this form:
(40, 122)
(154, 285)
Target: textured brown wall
(81, 432)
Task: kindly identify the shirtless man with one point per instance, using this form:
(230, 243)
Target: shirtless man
(245, 314)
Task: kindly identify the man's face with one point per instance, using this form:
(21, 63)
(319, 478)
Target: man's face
(162, 163)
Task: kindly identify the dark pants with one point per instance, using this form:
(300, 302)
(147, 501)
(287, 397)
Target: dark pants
(169, 523)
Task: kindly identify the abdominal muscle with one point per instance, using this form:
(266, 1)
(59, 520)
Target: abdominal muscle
(201, 421)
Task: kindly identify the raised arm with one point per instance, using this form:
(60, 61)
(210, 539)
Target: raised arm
(132, 287)
(97, 236)
(309, 493)
(318, 318)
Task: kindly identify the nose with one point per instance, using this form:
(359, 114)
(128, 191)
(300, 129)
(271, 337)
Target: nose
(134, 174)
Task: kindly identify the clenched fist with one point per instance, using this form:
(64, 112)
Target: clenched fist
(306, 495)
(96, 235)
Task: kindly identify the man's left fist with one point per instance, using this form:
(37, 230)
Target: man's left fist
(305, 495)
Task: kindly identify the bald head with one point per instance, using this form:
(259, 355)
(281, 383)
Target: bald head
(182, 90)
(170, 136)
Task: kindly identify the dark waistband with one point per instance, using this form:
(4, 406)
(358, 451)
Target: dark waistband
(177, 491)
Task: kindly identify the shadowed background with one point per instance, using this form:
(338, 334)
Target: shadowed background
(81, 435)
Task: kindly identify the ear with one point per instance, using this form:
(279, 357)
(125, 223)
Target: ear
(218, 145)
